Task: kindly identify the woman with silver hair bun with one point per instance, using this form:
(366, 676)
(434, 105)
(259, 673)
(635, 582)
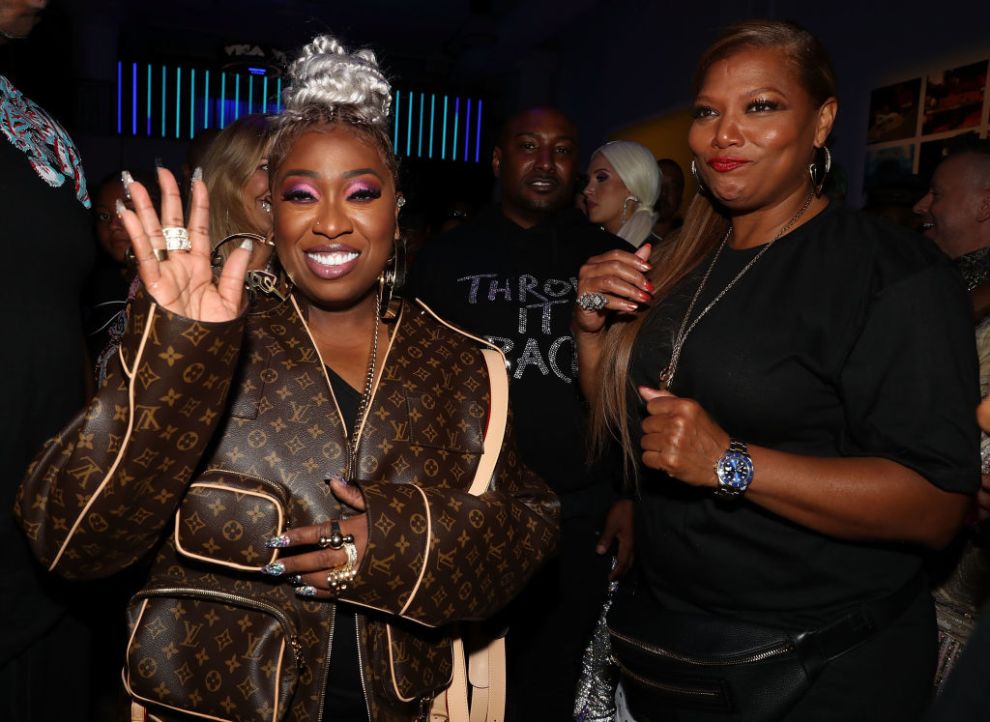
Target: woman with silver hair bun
(325, 475)
(623, 185)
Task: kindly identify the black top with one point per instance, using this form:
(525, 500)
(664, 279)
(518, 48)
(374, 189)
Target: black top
(345, 695)
(517, 287)
(849, 337)
(47, 254)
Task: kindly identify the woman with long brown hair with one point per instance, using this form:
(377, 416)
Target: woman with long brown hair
(793, 384)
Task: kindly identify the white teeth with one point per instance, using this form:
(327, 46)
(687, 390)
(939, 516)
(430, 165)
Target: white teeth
(337, 258)
(927, 226)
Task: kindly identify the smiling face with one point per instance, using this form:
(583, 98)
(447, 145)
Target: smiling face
(536, 163)
(605, 194)
(335, 212)
(957, 205)
(755, 129)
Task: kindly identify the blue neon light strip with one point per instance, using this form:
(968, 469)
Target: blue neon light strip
(178, 102)
(422, 102)
(278, 91)
(250, 94)
(120, 99)
(237, 97)
(223, 100)
(133, 98)
(457, 117)
(206, 101)
(477, 137)
(467, 130)
(443, 133)
(192, 103)
(433, 107)
(148, 95)
(164, 104)
(264, 95)
(409, 126)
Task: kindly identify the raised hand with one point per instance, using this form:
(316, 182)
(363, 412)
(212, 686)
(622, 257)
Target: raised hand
(182, 280)
(619, 277)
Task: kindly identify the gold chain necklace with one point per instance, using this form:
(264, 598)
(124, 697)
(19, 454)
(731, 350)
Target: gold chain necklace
(369, 383)
(667, 375)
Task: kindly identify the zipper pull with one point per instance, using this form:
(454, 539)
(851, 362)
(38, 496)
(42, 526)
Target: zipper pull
(297, 651)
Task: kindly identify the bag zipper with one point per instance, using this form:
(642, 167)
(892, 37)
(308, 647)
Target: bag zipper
(194, 593)
(667, 688)
(764, 654)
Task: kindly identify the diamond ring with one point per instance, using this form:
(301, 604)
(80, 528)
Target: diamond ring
(176, 238)
(592, 301)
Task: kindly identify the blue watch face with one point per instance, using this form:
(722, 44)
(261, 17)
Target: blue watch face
(735, 470)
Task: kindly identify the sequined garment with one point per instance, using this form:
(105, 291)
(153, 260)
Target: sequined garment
(975, 267)
(595, 701)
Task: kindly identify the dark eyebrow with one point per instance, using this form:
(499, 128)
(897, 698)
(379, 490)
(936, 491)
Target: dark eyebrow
(363, 171)
(558, 139)
(302, 172)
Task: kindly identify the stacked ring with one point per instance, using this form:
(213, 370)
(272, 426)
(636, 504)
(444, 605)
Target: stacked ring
(337, 539)
(340, 577)
(176, 238)
(592, 301)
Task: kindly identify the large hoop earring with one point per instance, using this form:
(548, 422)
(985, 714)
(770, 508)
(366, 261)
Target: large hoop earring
(697, 177)
(390, 283)
(819, 175)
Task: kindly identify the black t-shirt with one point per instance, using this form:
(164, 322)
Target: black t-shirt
(517, 287)
(849, 337)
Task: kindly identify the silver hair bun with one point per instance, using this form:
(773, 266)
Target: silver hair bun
(326, 75)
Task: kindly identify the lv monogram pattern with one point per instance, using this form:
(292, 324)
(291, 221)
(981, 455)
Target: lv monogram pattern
(162, 453)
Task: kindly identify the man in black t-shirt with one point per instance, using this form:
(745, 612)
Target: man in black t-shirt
(511, 276)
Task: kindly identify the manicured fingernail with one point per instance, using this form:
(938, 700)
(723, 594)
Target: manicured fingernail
(650, 287)
(126, 178)
(306, 591)
(247, 244)
(278, 542)
(158, 162)
(295, 580)
(119, 207)
(197, 174)
(339, 479)
(275, 569)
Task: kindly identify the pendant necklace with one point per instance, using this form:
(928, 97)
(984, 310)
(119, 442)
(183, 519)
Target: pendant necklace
(667, 375)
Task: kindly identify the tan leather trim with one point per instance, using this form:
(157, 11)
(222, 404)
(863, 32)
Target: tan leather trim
(138, 713)
(123, 444)
(426, 556)
(486, 672)
(278, 682)
(498, 417)
(391, 666)
(452, 704)
(234, 490)
(484, 342)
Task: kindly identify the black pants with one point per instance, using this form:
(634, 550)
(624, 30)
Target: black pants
(550, 624)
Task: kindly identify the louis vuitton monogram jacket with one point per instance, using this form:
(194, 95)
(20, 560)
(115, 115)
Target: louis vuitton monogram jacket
(208, 438)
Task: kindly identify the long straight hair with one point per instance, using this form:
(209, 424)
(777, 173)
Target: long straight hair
(705, 224)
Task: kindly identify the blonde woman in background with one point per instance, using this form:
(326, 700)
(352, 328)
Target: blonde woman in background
(623, 185)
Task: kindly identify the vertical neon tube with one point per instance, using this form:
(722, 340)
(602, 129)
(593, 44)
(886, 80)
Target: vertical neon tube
(422, 102)
(223, 100)
(467, 130)
(433, 107)
(237, 97)
(250, 94)
(264, 95)
(192, 103)
(178, 102)
(477, 136)
(457, 117)
(148, 96)
(278, 92)
(134, 99)
(164, 104)
(206, 101)
(120, 98)
(443, 142)
(409, 126)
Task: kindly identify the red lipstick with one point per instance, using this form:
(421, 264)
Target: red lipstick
(724, 165)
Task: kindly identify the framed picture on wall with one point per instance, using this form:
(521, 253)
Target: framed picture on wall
(954, 98)
(888, 166)
(894, 111)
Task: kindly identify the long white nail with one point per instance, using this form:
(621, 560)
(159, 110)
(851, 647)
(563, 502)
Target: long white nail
(197, 174)
(247, 244)
(126, 179)
(119, 207)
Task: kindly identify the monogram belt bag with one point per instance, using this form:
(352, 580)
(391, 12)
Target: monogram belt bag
(678, 665)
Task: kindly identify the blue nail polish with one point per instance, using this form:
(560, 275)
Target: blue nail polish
(307, 591)
(278, 542)
(275, 569)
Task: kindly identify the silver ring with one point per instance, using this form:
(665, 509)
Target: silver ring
(176, 238)
(592, 301)
(336, 539)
